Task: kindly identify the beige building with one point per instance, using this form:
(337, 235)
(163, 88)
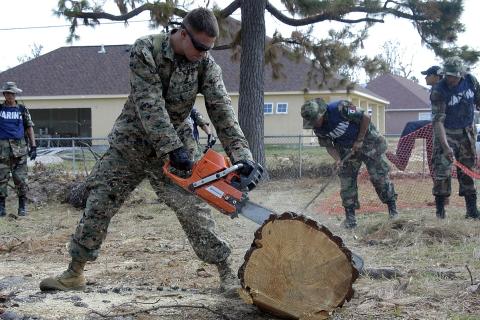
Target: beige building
(79, 92)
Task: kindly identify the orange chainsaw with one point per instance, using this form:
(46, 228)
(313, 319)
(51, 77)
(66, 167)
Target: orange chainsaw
(217, 182)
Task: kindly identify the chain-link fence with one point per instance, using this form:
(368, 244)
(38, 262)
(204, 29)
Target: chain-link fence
(286, 156)
(77, 155)
(300, 156)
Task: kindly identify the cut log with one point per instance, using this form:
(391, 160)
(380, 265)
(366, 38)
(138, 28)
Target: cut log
(297, 269)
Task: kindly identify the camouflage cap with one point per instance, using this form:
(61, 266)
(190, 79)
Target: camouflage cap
(10, 87)
(453, 66)
(311, 111)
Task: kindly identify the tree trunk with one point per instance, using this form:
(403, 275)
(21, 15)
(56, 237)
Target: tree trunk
(250, 106)
(297, 269)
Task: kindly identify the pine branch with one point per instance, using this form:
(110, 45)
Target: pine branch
(313, 19)
(336, 16)
(124, 17)
(224, 46)
(227, 11)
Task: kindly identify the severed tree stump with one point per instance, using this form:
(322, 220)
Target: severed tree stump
(297, 269)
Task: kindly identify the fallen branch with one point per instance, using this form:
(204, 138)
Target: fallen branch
(382, 273)
(470, 273)
(132, 313)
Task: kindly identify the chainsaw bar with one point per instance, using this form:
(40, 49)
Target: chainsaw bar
(255, 212)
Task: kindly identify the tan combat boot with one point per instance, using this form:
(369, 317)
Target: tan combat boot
(71, 279)
(229, 282)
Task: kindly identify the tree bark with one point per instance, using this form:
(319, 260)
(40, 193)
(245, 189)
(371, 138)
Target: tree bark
(297, 269)
(250, 104)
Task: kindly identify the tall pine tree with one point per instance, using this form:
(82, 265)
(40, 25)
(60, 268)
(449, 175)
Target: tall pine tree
(437, 22)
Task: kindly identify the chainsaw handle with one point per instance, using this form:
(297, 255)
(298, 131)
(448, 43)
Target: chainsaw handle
(187, 183)
(182, 182)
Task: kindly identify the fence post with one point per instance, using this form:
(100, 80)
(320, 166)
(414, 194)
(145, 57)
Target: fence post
(300, 156)
(424, 157)
(74, 165)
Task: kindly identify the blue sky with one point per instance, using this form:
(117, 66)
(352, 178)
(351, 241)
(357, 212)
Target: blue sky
(17, 42)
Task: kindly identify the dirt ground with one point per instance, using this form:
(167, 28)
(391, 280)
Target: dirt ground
(147, 264)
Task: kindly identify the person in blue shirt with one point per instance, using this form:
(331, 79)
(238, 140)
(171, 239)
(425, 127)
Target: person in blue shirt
(351, 139)
(15, 124)
(453, 103)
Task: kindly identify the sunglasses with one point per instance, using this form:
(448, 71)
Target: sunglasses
(196, 44)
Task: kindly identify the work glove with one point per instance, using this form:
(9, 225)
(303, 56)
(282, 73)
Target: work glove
(250, 175)
(211, 140)
(248, 166)
(32, 153)
(179, 159)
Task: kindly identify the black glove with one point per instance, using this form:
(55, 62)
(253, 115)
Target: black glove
(248, 166)
(180, 160)
(211, 139)
(250, 175)
(32, 153)
(210, 142)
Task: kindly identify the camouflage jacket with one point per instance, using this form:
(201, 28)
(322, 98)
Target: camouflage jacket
(374, 143)
(164, 87)
(17, 147)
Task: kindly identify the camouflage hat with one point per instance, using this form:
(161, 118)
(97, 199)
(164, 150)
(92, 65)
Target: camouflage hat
(453, 66)
(311, 111)
(10, 87)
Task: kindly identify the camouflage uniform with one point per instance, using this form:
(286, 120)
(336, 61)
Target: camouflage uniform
(454, 108)
(152, 124)
(13, 157)
(372, 154)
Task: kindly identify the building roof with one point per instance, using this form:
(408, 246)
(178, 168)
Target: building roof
(83, 70)
(401, 92)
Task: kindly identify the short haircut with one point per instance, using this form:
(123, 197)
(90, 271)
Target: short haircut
(202, 20)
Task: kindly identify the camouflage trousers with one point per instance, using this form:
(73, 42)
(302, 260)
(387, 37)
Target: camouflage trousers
(114, 178)
(377, 168)
(462, 141)
(15, 163)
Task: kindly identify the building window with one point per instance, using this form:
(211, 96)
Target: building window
(62, 123)
(282, 107)
(424, 116)
(268, 108)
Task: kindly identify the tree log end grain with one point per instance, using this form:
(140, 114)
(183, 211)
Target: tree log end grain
(297, 269)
